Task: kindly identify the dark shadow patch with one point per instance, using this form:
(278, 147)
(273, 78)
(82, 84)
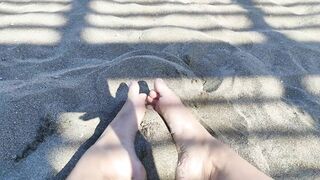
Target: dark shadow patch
(47, 128)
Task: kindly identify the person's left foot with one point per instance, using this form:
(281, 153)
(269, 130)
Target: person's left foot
(113, 155)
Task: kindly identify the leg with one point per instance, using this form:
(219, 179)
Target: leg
(113, 155)
(201, 156)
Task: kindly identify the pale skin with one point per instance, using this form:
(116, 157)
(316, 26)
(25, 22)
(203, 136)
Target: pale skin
(201, 156)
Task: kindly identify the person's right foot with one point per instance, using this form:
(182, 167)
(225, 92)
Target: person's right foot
(193, 142)
(201, 156)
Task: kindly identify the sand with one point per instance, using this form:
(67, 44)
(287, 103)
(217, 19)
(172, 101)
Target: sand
(249, 70)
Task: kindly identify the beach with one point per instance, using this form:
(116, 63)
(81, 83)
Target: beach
(248, 70)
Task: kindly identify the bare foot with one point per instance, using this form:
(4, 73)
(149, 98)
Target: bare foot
(201, 156)
(113, 155)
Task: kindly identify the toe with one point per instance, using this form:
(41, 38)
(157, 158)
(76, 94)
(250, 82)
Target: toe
(133, 89)
(153, 94)
(142, 98)
(161, 87)
(150, 100)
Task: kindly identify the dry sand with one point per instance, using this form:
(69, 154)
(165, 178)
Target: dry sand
(248, 69)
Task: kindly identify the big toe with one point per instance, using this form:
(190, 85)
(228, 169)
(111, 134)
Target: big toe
(161, 87)
(133, 89)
